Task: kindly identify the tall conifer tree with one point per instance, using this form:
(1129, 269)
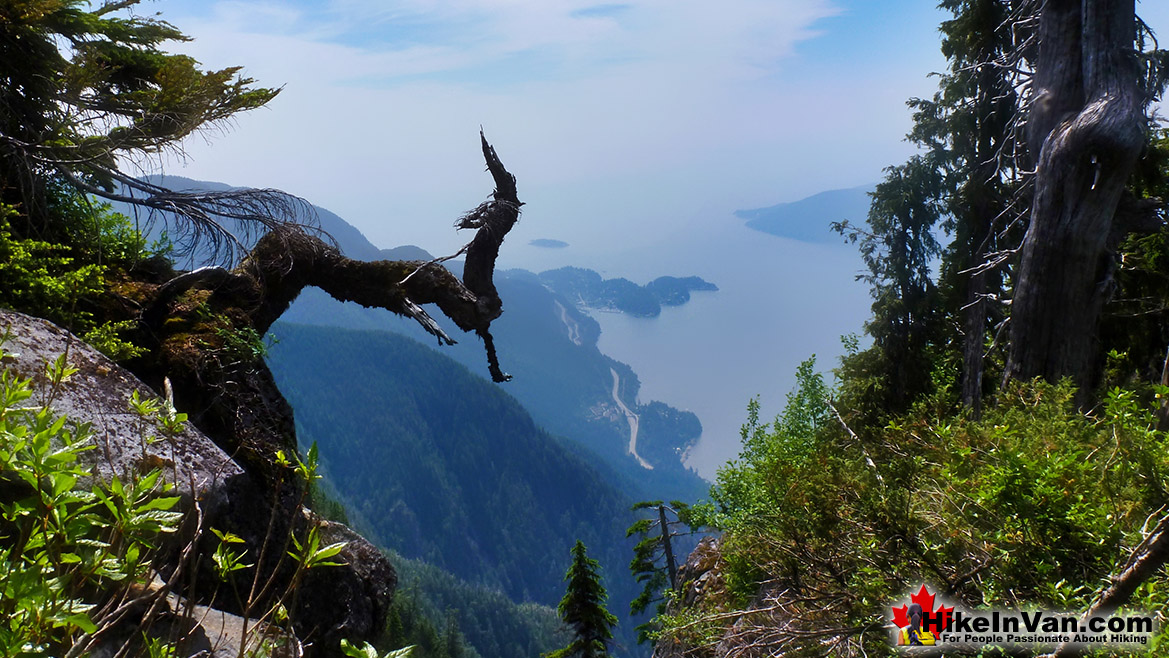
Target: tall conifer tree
(583, 609)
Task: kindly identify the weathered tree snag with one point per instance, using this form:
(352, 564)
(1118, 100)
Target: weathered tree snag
(195, 324)
(288, 259)
(493, 219)
(1086, 124)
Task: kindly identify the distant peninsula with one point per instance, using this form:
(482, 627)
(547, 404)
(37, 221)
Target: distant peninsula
(548, 243)
(810, 219)
(588, 288)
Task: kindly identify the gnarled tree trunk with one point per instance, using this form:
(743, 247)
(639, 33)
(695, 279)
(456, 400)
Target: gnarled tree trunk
(1086, 125)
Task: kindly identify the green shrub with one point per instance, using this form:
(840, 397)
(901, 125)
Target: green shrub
(1036, 504)
(44, 279)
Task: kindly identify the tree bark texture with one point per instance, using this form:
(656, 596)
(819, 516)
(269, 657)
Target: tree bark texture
(1086, 124)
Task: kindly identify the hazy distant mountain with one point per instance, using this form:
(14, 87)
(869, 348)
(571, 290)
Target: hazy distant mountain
(405, 252)
(808, 219)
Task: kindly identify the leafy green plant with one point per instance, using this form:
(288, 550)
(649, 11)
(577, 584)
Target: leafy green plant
(64, 547)
(105, 338)
(1034, 504)
(367, 650)
(226, 559)
(244, 344)
(61, 541)
(45, 278)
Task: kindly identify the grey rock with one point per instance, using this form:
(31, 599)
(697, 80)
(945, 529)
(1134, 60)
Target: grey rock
(99, 394)
(348, 601)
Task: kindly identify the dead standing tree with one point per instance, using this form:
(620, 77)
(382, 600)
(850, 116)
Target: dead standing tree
(1086, 126)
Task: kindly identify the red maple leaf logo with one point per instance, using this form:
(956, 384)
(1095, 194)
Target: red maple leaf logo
(923, 598)
(900, 616)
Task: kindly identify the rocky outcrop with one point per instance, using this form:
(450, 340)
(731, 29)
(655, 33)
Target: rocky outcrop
(330, 603)
(698, 579)
(699, 575)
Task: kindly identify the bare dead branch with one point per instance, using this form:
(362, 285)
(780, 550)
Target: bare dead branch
(1145, 560)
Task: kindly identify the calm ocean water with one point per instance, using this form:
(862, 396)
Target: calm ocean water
(779, 302)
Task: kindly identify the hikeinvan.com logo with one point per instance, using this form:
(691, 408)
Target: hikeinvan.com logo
(920, 623)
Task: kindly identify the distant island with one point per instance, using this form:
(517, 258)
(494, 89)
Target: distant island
(548, 243)
(588, 288)
(810, 219)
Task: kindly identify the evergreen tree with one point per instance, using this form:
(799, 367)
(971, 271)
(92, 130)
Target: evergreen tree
(972, 133)
(583, 609)
(981, 179)
(898, 251)
(83, 89)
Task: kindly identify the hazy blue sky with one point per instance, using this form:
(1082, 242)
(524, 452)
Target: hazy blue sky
(629, 117)
(614, 117)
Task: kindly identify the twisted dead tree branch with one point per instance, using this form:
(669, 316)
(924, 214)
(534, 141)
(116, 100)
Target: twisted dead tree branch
(288, 259)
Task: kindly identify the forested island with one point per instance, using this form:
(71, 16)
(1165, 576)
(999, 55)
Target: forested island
(591, 290)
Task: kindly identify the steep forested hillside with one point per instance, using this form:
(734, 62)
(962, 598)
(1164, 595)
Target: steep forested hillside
(433, 608)
(445, 466)
(561, 378)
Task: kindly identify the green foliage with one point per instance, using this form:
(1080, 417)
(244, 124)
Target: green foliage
(244, 344)
(368, 651)
(583, 609)
(63, 282)
(68, 114)
(61, 543)
(1134, 323)
(43, 278)
(106, 340)
(898, 248)
(225, 558)
(95, 232)
(774, 455)
(1033, 505)
(311, 554)
(1021, 499)
(654, 564)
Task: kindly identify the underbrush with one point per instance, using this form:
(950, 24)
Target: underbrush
(1033, 506)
